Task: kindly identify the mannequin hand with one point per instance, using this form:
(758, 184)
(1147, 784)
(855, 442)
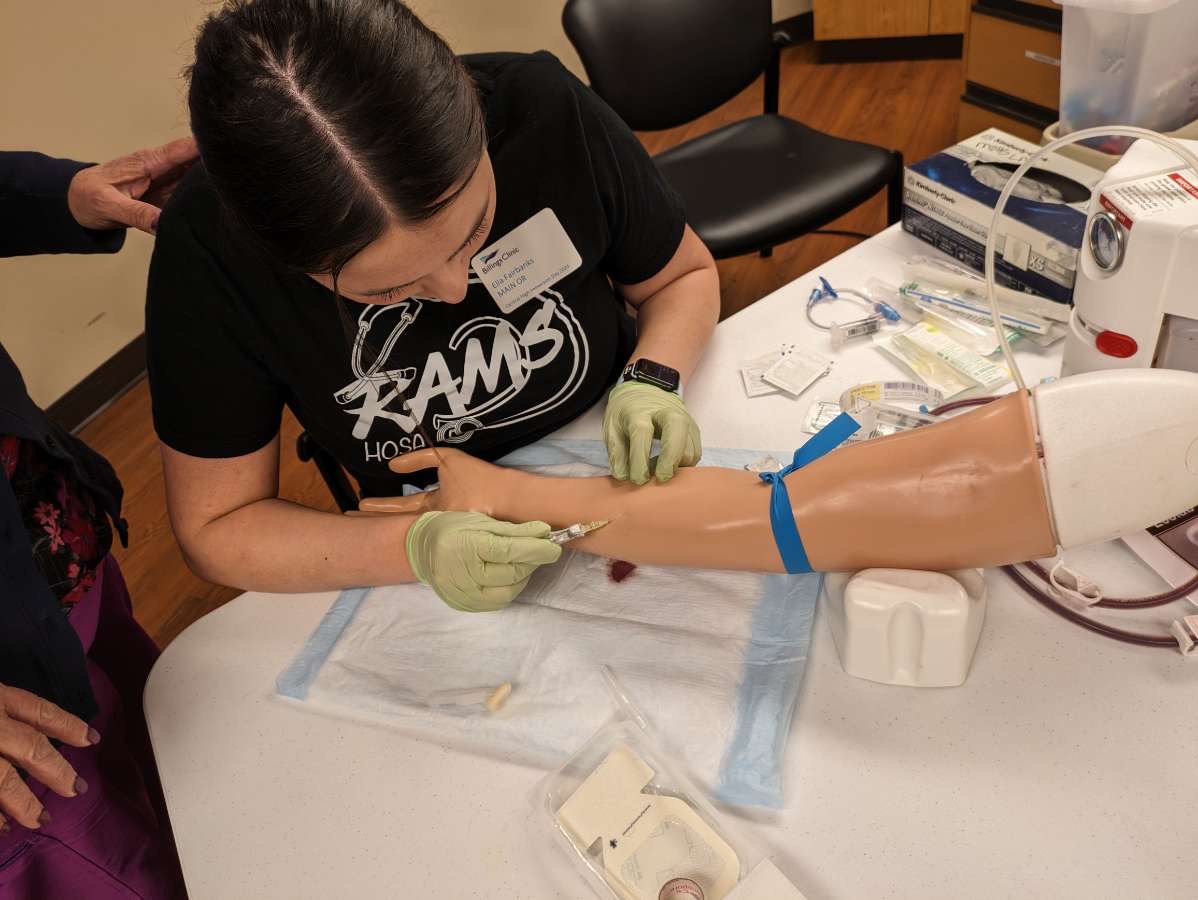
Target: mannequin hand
(636, 414)
(26, 724)
(476, 563)
(130, 190)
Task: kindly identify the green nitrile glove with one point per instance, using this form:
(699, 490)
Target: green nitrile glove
(476, 563)
(636, 414)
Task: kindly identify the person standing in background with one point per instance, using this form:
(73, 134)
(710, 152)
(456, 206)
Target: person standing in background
(81, 808)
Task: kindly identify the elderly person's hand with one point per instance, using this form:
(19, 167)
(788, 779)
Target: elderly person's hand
(130, 190)
(27, 722)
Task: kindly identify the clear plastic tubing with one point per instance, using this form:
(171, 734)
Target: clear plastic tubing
(1187, 157)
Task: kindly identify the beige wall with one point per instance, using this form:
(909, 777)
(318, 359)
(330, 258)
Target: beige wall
(784, 9)
(91, 81)
(473, 26)
(94, 80)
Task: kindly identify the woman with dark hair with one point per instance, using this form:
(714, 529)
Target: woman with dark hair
(407, 248)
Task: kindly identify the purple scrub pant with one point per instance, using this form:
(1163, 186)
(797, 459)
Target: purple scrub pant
(115, 840)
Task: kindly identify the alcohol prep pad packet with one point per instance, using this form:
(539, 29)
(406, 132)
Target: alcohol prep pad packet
(753, 371)
(797, 370)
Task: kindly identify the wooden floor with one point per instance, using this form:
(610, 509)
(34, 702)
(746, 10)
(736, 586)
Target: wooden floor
(907, 105)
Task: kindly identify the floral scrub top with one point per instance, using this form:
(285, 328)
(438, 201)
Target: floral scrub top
(70, 536)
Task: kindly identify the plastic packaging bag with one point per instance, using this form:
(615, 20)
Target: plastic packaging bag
(623, 809)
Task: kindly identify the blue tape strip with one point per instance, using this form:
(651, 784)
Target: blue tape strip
(295, 681)
(782, 519)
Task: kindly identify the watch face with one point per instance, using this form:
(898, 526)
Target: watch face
(655, 373)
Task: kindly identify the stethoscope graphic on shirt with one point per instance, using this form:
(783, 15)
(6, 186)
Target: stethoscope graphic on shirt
(551, 330)
(365, 379)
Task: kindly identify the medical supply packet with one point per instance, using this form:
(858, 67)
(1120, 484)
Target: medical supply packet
(752, 372)
(931, 339)
(966, 283)
(942, 363)
(973, 307)
(714, 658)
(898, 405)
(821, 414)
(639, 829)
(797, 370)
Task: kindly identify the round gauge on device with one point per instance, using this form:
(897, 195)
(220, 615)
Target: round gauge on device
(1107, 241)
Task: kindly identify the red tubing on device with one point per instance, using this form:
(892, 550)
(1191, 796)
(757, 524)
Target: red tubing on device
(1131, 602)
(1128, 637)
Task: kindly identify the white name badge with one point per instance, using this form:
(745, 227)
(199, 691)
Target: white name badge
(527, 260)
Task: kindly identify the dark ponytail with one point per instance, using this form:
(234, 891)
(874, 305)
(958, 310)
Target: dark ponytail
(321, 121)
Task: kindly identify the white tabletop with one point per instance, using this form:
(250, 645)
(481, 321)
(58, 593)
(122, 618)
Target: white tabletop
(1060, 768)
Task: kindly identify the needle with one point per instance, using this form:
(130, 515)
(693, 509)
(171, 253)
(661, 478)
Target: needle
(575, 531)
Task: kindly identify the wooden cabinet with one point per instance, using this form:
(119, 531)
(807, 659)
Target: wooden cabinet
(846, 19)
(973, 118)
(1015, 58)
(1012, 68)
(947, 16)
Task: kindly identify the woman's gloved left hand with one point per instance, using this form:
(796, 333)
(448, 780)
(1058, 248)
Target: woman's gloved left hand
(636, 414)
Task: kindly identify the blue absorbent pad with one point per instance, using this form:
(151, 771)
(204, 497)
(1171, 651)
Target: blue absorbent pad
(713, 659)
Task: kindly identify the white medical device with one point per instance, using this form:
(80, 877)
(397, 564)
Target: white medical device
(1135, 303)
(1136, 307)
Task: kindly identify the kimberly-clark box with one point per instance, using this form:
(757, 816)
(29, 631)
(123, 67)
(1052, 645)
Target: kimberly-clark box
(949, 199)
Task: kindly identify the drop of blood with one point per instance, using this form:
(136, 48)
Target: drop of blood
(619, 570)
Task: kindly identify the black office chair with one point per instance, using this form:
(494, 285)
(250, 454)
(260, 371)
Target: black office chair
(748, 186)
(338, 483)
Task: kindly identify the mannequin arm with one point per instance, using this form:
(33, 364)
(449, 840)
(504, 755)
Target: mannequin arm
(965, 492)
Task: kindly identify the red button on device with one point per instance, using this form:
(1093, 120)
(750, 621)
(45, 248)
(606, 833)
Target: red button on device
(1112, 343)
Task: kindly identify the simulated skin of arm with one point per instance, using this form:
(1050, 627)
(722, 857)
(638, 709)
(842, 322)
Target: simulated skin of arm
(965, 492)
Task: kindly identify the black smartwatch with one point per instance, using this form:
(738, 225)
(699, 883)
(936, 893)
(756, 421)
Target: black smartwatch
(653, 373)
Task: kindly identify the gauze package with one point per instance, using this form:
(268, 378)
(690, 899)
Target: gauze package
(714, 659)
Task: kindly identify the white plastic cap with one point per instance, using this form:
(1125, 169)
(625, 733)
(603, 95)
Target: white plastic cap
(1186, 632)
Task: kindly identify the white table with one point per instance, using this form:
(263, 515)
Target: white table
(1061, 768)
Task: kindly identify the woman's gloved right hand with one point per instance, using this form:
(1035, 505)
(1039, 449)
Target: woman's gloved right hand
(476, 563)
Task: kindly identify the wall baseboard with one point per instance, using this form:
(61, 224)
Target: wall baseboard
(933, 46)
(80, 404)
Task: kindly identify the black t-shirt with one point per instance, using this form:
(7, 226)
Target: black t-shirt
(232, 337)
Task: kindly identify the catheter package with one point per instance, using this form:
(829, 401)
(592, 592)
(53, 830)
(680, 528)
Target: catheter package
(639, 829)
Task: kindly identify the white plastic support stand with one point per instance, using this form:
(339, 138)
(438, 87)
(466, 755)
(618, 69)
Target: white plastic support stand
(906, 627)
